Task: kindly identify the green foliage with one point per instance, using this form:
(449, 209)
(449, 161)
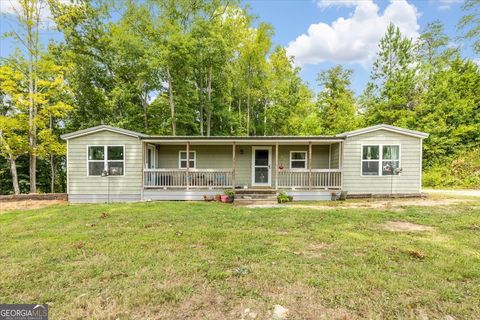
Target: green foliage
(462, 172)
(283, 197)
(336, 102)
(229, 193)
(470, 23)
(392, 90)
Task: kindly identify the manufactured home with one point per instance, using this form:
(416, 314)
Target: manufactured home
(105, 163)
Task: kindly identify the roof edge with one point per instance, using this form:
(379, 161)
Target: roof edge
(387, 127)
(99, 128)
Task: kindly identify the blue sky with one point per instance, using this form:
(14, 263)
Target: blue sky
(293, 18)
(323, 33)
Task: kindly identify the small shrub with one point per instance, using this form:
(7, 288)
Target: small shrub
(283, 197)
(462, 172)
(229, 193)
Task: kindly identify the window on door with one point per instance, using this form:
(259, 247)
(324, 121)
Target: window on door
(262, 166)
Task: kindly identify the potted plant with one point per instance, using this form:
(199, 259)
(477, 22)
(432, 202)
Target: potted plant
(218, 197)
(334, 196)
(228, 196)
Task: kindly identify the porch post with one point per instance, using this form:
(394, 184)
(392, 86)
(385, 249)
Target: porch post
(234, 165)
(341, 147)
(188, 165)
(143, 166)
(330, 156)
(310, 165)
(276, 166)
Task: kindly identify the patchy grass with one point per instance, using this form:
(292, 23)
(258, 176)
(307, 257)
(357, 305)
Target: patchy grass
(179, 260)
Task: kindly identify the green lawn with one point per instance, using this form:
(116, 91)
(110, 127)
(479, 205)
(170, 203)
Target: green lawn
(179, 260)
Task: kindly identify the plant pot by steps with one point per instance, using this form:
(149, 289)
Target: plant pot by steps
(224, 198)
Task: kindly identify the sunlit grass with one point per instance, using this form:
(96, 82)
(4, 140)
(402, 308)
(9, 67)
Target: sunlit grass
(211, 261)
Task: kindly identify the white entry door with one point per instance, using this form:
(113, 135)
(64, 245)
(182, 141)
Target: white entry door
(150, 159)
(261, 166)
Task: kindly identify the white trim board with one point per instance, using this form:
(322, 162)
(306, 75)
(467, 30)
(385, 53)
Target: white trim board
(386, 127)
(100, 128)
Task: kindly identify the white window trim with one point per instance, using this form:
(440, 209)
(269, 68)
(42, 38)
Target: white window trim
(105, 159)
(154, 156)
(180, 159)
(306, 160)
(380, 160)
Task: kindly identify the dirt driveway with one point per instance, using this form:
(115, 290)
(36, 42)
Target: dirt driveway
(466, 193)
(28, 204)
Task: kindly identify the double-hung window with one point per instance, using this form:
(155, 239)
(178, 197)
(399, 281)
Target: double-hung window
(182, 160)
(109, 158)
(380, 160)
(298, 159)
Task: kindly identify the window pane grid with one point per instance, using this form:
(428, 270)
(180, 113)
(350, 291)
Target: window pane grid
(183, 159)
(298, 160)
(113, 162)
(380, 160)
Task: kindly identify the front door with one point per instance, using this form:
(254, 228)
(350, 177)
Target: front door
(150, 158)
(261, 166)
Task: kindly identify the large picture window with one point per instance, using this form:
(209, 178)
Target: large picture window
(380, 160)
(182, 160)
(298, 159)
(110, 158)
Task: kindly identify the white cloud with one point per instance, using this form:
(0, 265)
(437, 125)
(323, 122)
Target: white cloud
(336, 3)
(353, 39)
(447, 4)
(12, 7)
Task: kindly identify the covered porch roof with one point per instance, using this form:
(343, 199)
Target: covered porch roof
(243, 140)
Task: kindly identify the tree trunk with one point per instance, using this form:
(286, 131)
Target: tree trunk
(145, 109)
(265, 119)
(240, 112)
(53, 173)
(13, 170)
(209, 110)
(32, 131)
(202, 101)
(172, 102)
(248, 111)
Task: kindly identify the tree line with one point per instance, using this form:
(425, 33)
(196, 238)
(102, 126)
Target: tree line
(190, 67)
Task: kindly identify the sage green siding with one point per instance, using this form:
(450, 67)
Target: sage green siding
(82, 187)
(335, 161)
(410, 161)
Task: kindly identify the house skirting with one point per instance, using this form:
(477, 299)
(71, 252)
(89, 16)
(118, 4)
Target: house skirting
(101, 198)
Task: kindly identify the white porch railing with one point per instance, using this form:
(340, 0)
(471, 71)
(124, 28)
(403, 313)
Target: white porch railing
(195, 178)
(320, 179)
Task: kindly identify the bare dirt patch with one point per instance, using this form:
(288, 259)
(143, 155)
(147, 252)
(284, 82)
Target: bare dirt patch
(392, 204)
(402, 226)
(28, 204)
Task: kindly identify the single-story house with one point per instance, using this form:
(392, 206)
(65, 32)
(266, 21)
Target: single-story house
(105, 163)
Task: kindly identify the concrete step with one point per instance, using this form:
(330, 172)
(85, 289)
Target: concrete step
(256, 196)
(255, 191)
(245, 202)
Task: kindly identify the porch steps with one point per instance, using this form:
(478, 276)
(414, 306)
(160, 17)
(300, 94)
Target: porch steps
(255, 196)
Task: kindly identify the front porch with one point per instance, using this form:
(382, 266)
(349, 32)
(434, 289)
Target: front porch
(208, 165)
